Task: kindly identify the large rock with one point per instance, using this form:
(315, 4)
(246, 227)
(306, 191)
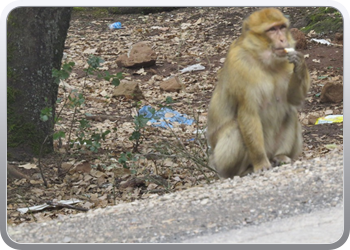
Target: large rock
(130, 90)
(299, 37)
(332, 92)
(140, 55)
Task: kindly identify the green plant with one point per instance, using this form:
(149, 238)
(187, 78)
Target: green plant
(192, 154)
(85, 138)
(115, 78)
(169, 100)
(94, 63)
(46, 113)
(324, 20)
(79, 8)
(328, 10)
(140, 122)
(63, 73)
(124, 158)
(127, 160)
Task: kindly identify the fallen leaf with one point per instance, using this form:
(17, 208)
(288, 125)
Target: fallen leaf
(103, 93)
(152, 186)
(185, 25)
(83, 167)
(67, 165)
(199, 21)
(90, 51)
(331, 146)
(100, 180)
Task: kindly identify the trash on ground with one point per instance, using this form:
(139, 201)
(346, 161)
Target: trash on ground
(28, 166)
(194, 67)
(164, 117)
(321, 41)
(329, 119)
(61, 203)
(116, 25)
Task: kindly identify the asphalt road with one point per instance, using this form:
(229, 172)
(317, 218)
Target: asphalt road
(322, 227)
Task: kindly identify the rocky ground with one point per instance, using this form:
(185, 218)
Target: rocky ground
(168, 160)
(238, 203)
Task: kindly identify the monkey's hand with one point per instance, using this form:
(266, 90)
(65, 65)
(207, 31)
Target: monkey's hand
(300, 80)
(298, 60)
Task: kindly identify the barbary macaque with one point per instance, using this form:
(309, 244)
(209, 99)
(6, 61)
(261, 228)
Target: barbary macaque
(252, 116)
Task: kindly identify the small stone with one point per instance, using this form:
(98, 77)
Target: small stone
(140, 55)
(171, 85)
(129, 89)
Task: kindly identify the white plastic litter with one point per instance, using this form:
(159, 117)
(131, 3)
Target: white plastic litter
(43, 206)
(321, 41)
(194, 67)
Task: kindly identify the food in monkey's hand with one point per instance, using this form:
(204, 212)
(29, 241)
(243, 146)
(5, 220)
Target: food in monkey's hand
(289, 50)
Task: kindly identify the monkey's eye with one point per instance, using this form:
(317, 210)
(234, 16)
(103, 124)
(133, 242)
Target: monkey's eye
(271, 29)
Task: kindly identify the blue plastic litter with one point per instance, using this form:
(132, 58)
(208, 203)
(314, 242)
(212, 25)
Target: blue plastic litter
(158, 118)
(116, 25)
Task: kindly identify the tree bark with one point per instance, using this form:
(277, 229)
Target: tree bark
(35, 43)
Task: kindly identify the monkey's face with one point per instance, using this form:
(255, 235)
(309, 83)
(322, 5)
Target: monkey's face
(265, 33)
(278, 36)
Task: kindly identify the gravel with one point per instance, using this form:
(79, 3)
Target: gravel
(238, 203)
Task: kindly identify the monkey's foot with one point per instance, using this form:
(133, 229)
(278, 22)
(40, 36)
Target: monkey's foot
(280, 160)
(263, 168)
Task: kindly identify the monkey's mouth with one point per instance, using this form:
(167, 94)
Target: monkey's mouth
(280, 52)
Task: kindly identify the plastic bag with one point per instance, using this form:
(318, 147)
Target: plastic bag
(164, 117)
(194, 67)
(116, 25)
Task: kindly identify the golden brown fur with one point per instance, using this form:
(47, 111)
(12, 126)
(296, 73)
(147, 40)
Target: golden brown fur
(253, 111)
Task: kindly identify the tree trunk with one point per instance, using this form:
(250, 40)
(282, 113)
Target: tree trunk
(35, 43)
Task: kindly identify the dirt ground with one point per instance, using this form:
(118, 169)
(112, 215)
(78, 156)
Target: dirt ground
(211, 32)
(330, 65)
